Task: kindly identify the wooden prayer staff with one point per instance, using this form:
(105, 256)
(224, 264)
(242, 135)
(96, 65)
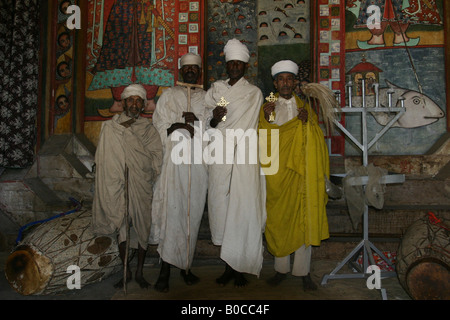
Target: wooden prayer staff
(189, 87)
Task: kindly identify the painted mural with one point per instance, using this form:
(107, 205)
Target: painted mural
(137, 41)
(403, 55)
(272, 30)
(284, 32)
(228, 20)
(62, 109)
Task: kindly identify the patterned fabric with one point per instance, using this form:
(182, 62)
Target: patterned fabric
(19, 58)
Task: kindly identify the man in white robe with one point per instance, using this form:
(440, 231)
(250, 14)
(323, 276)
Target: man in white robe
(236, 198)
(128, 157)
(180, 193)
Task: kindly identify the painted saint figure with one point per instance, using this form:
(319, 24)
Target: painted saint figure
(130, 52)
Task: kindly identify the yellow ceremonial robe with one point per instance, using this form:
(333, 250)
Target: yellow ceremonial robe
(296, 195)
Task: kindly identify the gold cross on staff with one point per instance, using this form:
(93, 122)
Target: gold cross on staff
(223, 103)
(272, 98)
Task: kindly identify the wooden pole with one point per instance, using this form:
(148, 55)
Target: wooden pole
(189, 86)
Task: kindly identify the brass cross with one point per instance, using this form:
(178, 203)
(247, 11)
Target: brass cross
(272, 98)
(223, 103)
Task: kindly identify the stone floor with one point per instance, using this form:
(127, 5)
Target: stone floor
(208, 270)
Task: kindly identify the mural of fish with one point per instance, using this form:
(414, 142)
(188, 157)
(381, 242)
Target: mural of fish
(421, 110)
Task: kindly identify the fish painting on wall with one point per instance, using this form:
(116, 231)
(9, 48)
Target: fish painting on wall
(420, 110)
(405, 54)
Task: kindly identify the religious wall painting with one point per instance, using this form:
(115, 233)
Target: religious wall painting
(283, 22)
(272, 30)
(405, 56)
(364, 71)
(329, 56)
(61, 110)
(228, 20)
(137, 41)
(387, 71)
(420, 110)
(400, 23)
(284, 33)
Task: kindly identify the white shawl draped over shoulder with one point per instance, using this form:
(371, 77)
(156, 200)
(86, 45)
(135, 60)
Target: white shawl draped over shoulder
(236, 194)
(170, 229)
(139, 147)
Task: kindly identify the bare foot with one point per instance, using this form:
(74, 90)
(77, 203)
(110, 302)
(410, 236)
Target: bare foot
(239, 280)
(189, 278)
(162, 285)
(142, 282)
(308, 284)
(226, 276)
(276, 279)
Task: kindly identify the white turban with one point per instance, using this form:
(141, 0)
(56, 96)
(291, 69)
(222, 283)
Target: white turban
(235, 50)
(284, 66)
(134, 90)
(189, 59)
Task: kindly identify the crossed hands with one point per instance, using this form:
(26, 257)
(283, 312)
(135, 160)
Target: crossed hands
(189, 118)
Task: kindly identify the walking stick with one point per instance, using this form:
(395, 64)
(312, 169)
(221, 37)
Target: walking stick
(189, 86)
(127, 243)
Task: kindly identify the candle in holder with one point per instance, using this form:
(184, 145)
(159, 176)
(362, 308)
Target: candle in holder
(350, 86)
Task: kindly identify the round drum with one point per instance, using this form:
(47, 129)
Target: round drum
(423, 259)
(40, 263)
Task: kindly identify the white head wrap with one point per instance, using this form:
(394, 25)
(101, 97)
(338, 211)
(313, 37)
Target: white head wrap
(134, 90)
(190, 58)
(284, 66)
(236, 50)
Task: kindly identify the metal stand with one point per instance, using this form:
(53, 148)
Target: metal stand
(366, 245)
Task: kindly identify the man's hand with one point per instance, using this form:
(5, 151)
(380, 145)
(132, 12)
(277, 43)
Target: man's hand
(189, 117)
(128, 123)
(179, 125)
(218, 114)
(302, 115)
(268, 109)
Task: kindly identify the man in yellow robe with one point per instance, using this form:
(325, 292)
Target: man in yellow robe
(296, 194)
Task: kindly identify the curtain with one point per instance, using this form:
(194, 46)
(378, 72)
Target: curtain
(19, 66)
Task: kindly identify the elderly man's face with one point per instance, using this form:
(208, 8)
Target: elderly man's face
(190, 73)
(236, 69)
(133, 106)
(285, 84)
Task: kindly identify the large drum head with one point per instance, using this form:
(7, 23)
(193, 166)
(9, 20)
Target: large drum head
(22, 273)
(429, 280)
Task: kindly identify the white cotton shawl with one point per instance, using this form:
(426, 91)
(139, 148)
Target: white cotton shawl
(236, 194)
(139, 147)
(170, 202)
